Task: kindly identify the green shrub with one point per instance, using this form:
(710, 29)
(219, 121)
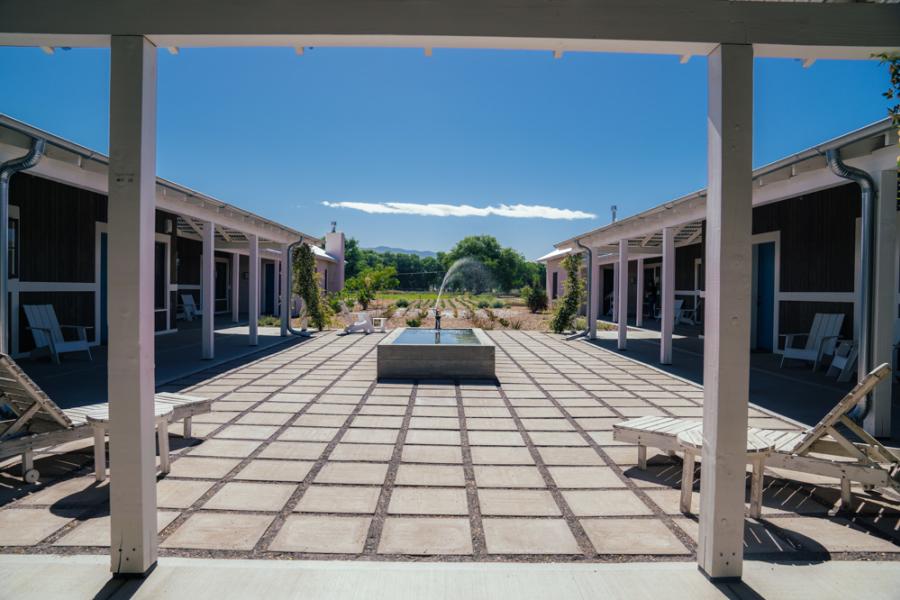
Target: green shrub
(269, 321)
(535, 298)
(414, 322)
(483, 304)
(515, 324)
(580, 324)
(568, 306)
(401, 303)
(306, 285)
(498, 304)
(504, 322)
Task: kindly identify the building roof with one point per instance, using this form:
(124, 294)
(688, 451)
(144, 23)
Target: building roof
(555, 254)
(79, 166)
(320, 253)
(644, 230)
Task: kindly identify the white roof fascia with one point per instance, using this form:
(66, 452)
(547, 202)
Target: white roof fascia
(777, 185)
(555, 254)
(83, 172)
(320, 253)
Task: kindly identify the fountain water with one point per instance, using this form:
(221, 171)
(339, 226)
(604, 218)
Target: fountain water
(478, 277)
(412, 353)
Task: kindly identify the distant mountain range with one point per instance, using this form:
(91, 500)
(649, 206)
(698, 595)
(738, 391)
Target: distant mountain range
(419, 253)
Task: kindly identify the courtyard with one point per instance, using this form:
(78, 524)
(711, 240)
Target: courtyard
(305, 455)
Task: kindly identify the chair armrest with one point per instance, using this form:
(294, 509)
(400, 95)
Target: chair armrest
(789, 338)
(38, 328)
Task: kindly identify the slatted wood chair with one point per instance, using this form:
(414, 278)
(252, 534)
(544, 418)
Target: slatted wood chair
(822, 450)
(677, 312)
(190, 307)
(40, 423)
(48, 335)
(820, 341)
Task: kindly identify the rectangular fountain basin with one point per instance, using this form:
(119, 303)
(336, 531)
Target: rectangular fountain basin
(413, 353)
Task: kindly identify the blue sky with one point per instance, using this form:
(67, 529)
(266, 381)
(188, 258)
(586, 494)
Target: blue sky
(281, 134)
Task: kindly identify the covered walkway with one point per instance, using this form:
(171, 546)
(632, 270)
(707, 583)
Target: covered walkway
(77, 381)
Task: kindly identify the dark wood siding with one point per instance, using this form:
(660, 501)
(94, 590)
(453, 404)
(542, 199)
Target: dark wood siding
(684, 265)
(57, 231)
(818, 238)
(188, 262)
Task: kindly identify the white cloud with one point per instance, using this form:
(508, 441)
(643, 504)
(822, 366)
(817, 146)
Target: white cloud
(515, 211)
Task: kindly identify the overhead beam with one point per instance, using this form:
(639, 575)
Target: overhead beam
(197, 229)
(846, 30)
(693, 237)
(221, 231)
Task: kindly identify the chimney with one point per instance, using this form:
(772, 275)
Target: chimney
(334, 246)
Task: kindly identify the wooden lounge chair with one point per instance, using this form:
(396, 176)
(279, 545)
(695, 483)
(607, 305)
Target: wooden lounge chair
(190, 307)
(820, 341)
(41, 423)
(48, 336)
(822, 450)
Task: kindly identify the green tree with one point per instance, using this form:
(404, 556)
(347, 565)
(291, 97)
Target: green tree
(535, 298)
(352, 258)
(364, 286)
(306, 285)
(568, 306)
(508, 267)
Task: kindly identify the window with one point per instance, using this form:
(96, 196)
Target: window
(555, 292)
(159, 279)
(13, 248)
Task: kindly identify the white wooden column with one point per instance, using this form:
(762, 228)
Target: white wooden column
(726, 350)
(285, 292)
(622, 302)
(253, 291)
(667, 296)
(208, 289)
(639, 313)
(614, 317)
(132, 224)
(594, 301)
(276, 264)
(878, 420)
(235, 287)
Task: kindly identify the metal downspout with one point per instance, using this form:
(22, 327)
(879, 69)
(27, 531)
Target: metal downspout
(290, 284)
(866, 263)
(591, 331)
(7, 170)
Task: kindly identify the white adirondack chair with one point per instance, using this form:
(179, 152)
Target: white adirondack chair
(191, 309)
(820, 341)
(362, 324)
(48, 336)
(843, 362)
(678, 312)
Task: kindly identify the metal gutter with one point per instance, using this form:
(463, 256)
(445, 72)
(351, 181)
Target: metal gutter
(7, 170)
